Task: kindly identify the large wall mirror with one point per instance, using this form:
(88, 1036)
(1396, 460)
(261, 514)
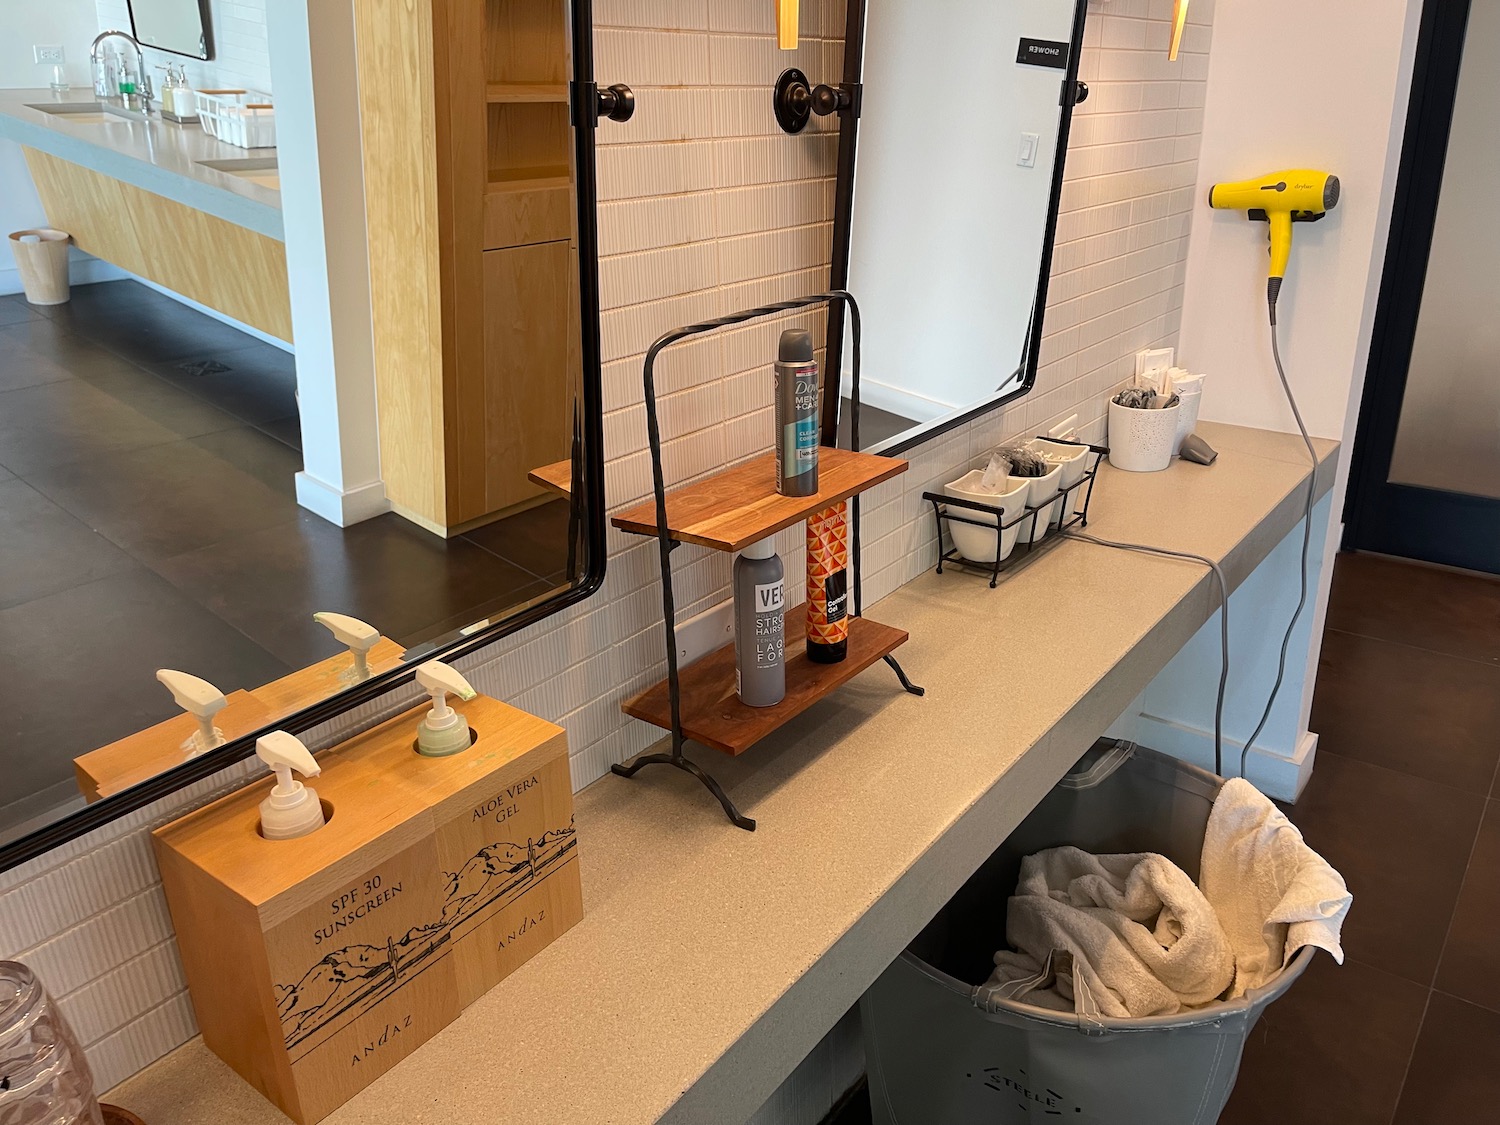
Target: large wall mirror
(490, 440)
(949, 184)
(179, 26)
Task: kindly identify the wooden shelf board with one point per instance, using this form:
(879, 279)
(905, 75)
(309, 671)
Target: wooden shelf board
(523, 93)
(531, 178)
(712, 713)
(558, 477)
(730, 510)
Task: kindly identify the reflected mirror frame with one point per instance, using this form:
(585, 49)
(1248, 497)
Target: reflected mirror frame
(843, 235)
(205, 18)
(111, 808)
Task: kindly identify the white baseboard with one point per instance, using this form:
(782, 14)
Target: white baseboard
(341, 508)
(1278, 774)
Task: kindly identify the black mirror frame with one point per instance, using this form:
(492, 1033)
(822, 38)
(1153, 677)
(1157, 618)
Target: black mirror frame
(590, 487)
(1070, 94)
(204, 17)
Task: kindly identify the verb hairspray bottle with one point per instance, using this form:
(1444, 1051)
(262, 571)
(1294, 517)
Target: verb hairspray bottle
(828, 585)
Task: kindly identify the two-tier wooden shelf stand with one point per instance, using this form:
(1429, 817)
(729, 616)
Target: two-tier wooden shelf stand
(727, 512)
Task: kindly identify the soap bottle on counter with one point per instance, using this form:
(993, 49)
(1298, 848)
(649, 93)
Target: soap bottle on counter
(759, 626)
(292, 809)
(443, 731)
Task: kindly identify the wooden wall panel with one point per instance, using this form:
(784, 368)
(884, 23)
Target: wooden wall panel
(526, 41)
(239, 272)
(531, 211)
(528, 397)
(399, 126)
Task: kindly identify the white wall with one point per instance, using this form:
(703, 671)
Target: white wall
(1296, 84)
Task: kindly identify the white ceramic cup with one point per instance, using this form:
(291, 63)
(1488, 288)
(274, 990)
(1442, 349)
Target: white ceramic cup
(1142, 441)
(1074, 460)
(1038, 492)
(977, 544)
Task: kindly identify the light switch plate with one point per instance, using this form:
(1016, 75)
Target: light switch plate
(48, 53)
(1030, 142)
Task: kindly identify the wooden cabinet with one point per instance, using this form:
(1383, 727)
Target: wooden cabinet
(471, 197)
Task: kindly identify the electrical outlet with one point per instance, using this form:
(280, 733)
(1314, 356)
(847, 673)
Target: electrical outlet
(1152, 360)
(48, 53)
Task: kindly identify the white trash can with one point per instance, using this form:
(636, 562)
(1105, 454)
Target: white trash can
(941, 1049)
(42, 260)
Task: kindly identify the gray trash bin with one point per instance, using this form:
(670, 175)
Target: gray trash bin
(940, 1051)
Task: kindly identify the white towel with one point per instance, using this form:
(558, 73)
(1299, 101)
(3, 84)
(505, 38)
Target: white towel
(1140, 939)
(1272, 892)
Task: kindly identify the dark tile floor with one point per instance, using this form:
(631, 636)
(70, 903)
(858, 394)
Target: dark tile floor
(1405, 801)
(148, 518)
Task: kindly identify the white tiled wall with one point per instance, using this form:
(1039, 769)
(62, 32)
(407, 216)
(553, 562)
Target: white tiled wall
(242, 59)
(705, 208)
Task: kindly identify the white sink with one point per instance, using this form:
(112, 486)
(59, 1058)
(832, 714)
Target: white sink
(262, 170)
(73, 111)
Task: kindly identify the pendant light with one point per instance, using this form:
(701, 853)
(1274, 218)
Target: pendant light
(786, 23)
(1179, 21)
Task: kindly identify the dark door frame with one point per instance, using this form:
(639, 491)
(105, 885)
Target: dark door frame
(1401, 519)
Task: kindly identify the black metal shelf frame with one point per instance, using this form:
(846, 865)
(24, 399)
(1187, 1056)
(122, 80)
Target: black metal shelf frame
(1021, 553)
(666, 544)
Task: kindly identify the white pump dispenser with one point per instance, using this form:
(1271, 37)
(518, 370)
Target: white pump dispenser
(444, 731)
(359, 636)
(292, 809)
(200, 699)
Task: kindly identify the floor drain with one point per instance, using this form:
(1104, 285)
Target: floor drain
(204, 367)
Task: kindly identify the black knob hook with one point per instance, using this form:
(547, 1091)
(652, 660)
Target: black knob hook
(617, 103)
(795, 101)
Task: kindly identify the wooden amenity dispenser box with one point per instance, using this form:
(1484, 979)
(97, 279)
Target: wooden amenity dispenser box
(317, 964)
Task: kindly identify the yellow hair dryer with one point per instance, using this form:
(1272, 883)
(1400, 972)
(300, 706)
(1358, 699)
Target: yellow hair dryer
(1300, 195)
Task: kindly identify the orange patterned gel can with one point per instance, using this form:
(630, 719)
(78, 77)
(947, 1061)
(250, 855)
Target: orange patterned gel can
(828, 585)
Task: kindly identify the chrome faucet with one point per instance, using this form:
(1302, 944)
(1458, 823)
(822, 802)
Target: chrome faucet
(143, 89)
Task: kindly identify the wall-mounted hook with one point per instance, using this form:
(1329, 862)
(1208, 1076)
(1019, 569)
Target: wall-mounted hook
(795, 101)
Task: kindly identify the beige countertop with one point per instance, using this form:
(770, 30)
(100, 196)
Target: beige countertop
(710, 960)
(157, 155)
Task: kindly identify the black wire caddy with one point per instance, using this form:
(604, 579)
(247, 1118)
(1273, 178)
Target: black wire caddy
(1026, 547)
(876, 641)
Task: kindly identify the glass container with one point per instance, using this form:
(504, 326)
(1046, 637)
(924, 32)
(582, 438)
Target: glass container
(44, 1076)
